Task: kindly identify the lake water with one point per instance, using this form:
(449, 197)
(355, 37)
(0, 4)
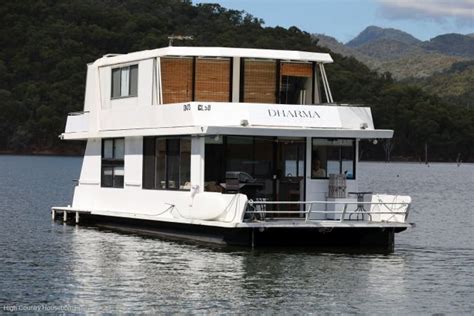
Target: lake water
(46, 265)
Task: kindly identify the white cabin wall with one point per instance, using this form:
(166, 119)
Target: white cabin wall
(90, 170)
(133, 162)
(92, 86)
(92, 97)
(91, 164)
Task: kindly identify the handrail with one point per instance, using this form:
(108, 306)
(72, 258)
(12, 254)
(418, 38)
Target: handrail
(323, 202)
(393, 208)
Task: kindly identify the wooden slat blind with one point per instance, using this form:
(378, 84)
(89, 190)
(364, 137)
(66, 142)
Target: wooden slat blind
(259, 81)
(296, 69)
(177, 79)
(212, 80)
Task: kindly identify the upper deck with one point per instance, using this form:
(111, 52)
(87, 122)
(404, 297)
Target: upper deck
(214, 90)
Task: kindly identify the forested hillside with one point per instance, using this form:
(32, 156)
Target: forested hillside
(45, 46)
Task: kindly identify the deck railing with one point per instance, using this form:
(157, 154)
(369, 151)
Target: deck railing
(318, 211)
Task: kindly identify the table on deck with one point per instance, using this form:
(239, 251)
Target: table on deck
(360, 210)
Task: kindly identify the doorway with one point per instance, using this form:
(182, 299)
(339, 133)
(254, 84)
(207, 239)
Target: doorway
(290, 164)
(277, 164)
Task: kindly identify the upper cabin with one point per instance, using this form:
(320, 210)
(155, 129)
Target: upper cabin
(126, 92)
(185, 74)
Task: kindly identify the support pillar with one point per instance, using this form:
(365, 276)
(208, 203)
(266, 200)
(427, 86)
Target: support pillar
(197, 163)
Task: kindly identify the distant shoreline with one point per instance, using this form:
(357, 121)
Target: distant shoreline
(81, 154)
(70, 153)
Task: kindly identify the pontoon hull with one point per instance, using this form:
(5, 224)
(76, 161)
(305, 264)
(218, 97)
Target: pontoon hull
(381, 238)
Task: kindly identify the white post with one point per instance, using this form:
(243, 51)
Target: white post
(53, 214)
(77, 217)
(236, 80)
(64, 216)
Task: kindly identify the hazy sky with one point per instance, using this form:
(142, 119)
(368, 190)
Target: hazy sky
(344, 19)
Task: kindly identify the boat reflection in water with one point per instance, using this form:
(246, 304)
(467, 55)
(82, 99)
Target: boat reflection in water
(177, 276)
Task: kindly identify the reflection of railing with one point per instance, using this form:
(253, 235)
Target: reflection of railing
(394, 211)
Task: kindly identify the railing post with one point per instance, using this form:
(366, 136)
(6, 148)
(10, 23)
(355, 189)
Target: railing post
(343, 212)
(308, 213)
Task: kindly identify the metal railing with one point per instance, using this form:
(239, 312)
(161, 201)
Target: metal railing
(348, 211)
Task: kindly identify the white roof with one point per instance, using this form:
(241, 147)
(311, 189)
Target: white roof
(215, 52)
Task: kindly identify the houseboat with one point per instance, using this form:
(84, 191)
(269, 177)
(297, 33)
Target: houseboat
(227, 146)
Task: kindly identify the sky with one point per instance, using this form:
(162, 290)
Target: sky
(344, 19)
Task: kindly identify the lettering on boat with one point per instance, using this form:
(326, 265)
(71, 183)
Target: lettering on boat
(293, 113)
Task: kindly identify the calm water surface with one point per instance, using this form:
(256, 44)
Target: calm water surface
(54, 265)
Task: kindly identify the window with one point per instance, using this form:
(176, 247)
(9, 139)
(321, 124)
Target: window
(260, 77)
(332, 156)
(212, 80)
(125, 82)
(167, 163)
(177, 79)
(195, 79)
(113, 151)
(296, 83)
(274, 81)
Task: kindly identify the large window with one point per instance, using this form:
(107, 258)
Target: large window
(195, 79)
(259, 81)
(177, 79)
(332, 156)
(274, 81)
(167, 163)
(125, 82)
(113, 151)
(212, 80)
(296, 83)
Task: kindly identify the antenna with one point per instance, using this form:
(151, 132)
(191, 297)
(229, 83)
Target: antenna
(178, 37)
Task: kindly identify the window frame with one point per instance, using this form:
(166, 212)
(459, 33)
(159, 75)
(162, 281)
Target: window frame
(112, 163)
(166, 176)
(354, 152)
(278, 79)
(194, 76)
(120, 68)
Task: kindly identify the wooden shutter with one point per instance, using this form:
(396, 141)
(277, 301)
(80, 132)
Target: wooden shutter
(177, 79)
(260, 81)
(212, 80)
(296, 69)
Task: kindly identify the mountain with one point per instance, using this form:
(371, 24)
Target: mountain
(374, 33)
(452, 44)
(454, 84)
(387, 49)
(403, 55)
(442, 66)
(336, 46)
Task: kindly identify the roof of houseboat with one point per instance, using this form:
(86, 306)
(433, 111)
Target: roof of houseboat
(293, 55)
